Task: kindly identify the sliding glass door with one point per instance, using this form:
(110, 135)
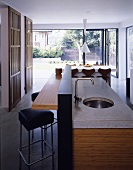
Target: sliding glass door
(66, 45)
(59, 44)
(129, 50)
(94, 40)
(111, 49)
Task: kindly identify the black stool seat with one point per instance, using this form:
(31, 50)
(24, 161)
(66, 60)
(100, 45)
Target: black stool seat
(33, 97)
(32, 119)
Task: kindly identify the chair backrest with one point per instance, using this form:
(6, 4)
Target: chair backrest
(74, 71)
(88, 73)
(105, 74)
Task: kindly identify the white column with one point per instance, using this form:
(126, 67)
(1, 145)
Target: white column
(4, 58)
(22, 56)
(122, 53)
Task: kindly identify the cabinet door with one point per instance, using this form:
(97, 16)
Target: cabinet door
(14, 57)
(28, 55)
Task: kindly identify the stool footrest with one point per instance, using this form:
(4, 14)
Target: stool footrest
(29, 164)
(45, 142)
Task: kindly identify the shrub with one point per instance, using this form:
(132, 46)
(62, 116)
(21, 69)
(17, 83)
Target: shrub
(47, 52)
(36, 52)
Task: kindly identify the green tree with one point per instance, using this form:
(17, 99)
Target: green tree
(93, 38)
(72, 38)
(78, 36)
(67, 42)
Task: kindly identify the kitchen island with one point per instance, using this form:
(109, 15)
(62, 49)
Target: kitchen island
(102, 137)
(117, 116)
(88, 138)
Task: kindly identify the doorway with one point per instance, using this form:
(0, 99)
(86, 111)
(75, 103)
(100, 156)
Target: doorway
(111, 50)
(94, 40)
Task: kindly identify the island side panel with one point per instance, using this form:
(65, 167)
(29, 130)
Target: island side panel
(64, 115)
(103, 149)
(65, 132)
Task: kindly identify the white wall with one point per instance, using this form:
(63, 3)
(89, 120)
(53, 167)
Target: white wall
(123, 26)
(4, 58)
(127, 23)
(122, 53)
(74, 26)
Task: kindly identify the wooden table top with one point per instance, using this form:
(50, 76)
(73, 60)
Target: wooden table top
(48, 96)
(96, 67)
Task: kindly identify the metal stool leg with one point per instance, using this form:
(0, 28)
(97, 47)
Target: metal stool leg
(20, 145)
(42, 142)
(45, 135)
(32, 134)
(52, 146)
(45, 132)
(29, 148)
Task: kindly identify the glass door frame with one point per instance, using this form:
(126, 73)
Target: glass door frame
(106, 60)
(102, 30)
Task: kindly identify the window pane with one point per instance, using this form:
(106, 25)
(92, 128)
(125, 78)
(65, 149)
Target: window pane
(129, 50)
(63, 44)
(94, 42)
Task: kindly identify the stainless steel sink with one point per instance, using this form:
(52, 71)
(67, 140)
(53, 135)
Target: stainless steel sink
(98, 102)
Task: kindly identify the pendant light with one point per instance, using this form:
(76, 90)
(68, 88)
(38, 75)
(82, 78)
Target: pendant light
(84, 48)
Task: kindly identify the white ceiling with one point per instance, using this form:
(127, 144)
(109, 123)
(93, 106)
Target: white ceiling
(74, 11)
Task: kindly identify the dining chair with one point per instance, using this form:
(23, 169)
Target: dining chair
(74, 72)
(88, 73)
(105, 74)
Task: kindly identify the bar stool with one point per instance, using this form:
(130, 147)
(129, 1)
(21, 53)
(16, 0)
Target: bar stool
(32, 119)
(88, 73)
(105, 74)
(74, 71)
(33, 97)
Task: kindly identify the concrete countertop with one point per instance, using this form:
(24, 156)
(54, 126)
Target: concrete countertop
(117, 116)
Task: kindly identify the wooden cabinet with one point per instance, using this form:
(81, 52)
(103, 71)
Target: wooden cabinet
(103, 149)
